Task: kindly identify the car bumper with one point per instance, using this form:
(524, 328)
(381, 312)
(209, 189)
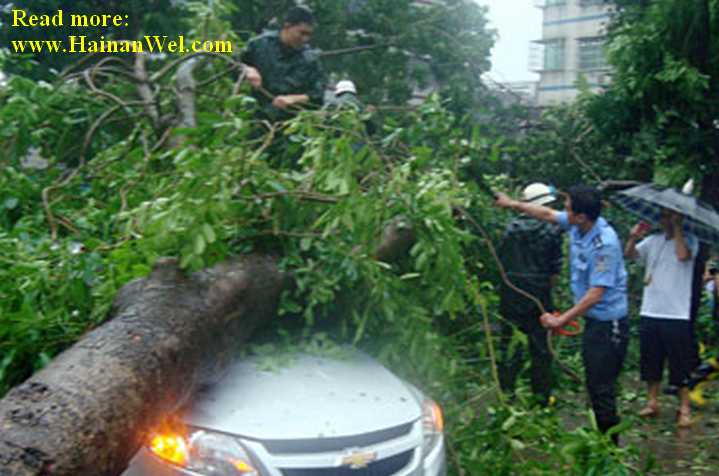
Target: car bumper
(146, 464)
(435, 463)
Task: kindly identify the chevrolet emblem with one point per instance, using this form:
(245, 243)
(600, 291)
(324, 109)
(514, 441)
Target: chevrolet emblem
(358, 459)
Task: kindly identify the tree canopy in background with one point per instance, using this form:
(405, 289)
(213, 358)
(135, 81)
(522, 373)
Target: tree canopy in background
(413, 46)
(661, 110)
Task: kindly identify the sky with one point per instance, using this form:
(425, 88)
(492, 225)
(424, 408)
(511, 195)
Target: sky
(517, 22)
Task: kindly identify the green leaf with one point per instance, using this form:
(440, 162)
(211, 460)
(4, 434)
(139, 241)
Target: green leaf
(187, 257)
(277, 186)
(509, 422)
(43, 359)
(209, 233)
(200, 244)
(5, 363)
(622, 426)
(305, 243)
(571, 449)
(10, 203)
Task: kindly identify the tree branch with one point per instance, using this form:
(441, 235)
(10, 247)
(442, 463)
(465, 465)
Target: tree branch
(185, 92)
(355, 49)
(144, 90)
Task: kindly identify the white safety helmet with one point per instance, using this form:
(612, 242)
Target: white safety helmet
(539, 194)
(345, 86)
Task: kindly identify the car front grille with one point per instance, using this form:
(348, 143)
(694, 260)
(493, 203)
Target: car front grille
(383, 467)
(320, 445)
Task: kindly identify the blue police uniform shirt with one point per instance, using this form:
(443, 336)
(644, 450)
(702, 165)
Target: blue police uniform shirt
(596, 260)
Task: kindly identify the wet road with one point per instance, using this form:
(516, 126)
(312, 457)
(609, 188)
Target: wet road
(678, 451)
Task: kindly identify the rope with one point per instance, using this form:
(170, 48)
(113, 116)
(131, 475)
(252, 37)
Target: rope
(567, 370)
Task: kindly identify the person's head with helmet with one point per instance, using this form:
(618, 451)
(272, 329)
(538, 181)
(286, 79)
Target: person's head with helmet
(539, 194)
(345, 87)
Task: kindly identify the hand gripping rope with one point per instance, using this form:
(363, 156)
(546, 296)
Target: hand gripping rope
(572, 328)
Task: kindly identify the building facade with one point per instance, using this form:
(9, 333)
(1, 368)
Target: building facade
(571, 49)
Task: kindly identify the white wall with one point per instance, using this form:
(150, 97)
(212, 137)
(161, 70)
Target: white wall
(570, 21)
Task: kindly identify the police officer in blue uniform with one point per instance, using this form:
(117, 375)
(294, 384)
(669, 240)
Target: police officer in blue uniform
(599, 287)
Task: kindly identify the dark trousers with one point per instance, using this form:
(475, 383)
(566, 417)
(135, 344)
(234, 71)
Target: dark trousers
(663, 340)
(604, 347)
(524, 314)
(512, 361)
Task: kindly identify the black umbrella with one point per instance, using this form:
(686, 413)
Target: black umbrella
(647, 201)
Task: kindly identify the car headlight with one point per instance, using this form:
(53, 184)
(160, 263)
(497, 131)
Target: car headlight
(207, 453)
(432, 425)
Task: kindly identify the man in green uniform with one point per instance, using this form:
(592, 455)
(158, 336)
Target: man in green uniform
(531, 253)
(283, 70)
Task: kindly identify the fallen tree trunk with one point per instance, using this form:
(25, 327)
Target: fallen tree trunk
(398, 237)
(89, 410)
(86, 413)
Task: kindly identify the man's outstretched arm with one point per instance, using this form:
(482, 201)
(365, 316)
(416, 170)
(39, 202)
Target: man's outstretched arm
(539, 212)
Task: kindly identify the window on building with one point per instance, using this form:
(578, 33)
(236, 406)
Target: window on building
(591, 53)
(588, 3)
(554, 54)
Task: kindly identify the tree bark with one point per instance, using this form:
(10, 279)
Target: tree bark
(145, 91)
(88, 411)
(185, 91)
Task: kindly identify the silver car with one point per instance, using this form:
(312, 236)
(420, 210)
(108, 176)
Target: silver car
(315, 416)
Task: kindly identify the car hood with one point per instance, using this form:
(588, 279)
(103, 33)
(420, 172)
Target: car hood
(311, 397)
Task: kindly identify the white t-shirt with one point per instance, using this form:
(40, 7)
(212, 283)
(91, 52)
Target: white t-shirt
(668, 281)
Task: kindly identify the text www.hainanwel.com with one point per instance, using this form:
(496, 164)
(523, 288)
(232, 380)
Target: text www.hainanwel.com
(149, 44)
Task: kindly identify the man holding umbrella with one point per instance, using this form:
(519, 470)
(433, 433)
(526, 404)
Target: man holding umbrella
(665, 330)
(684, 220)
